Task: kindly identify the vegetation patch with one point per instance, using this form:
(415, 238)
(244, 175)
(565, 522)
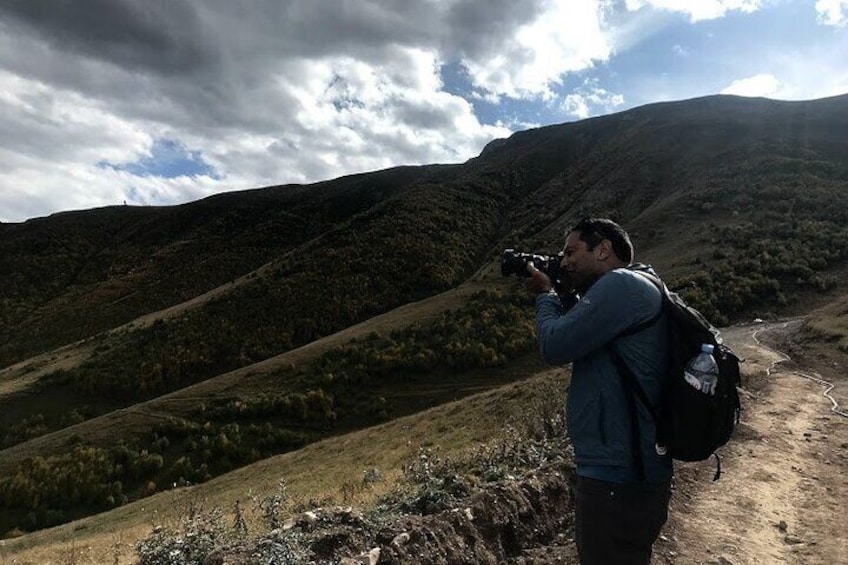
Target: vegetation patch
(489, 502)
(778, 252)
(362, 383)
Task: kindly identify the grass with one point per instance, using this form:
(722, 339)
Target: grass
(252, 379)
(831, 323)
(327, 471)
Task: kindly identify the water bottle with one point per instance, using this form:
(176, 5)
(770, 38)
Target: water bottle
(702, 372)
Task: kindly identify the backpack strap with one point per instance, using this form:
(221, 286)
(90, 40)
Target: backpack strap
(629, 381)
(633, 390)
(627, 376)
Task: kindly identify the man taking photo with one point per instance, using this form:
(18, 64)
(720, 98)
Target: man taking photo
(623, 478)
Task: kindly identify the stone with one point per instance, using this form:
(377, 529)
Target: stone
(309, 517)
(400, 539)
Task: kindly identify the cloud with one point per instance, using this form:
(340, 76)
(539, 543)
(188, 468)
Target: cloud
(161, 102)
(758, 85)
(590, 99)
(563, 37)
(832, 12)
(698, 10)
(680, 50)
(285, 92)
(165, 37)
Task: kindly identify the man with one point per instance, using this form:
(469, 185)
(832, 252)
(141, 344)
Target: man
(623, 478)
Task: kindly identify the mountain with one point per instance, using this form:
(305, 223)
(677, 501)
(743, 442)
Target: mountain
(144, 346)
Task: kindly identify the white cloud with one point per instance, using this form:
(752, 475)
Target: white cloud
(698, 10)
(680, 51)
(832, 12)
(36, 112)
(589, 100)
(564, 37)
(815, 73)
(765, 85)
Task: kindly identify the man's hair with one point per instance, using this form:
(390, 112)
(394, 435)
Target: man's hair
(595, 230)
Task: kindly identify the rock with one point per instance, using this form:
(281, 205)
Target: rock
(400, 539)
(782, 526)
(791, 540)
(368, 558)
(309, 517)
(303, 519)
(469, 514)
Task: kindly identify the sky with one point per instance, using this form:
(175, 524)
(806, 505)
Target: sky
(155, 102)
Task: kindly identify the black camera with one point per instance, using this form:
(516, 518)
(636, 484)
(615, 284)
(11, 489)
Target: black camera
(515, 263)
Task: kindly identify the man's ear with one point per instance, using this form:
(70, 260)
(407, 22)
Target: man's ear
(603, 251)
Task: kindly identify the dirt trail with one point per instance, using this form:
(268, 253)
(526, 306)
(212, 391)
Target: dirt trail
(783, 494)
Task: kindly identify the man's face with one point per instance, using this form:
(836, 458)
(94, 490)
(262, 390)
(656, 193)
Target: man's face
(581, 264)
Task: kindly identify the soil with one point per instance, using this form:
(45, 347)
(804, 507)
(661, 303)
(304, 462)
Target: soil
(783, 491)
(784, 487)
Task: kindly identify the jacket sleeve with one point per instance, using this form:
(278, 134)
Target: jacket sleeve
(614, 303)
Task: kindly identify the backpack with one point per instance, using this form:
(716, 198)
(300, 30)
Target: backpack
(691, 425)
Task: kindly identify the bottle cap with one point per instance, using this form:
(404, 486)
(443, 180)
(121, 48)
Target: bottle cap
(707, 348)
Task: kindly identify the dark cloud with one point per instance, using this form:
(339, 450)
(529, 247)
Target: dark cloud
(475, 28)
(423, 115)
(165, 37)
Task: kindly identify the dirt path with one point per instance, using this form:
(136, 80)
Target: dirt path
(783, 495)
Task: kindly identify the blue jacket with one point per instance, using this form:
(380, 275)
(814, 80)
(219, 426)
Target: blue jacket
(597, 413)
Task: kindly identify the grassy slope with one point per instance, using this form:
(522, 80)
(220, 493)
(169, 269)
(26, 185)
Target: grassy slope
(252, 379)
(315, 472)
(822, 342)
(71, 275)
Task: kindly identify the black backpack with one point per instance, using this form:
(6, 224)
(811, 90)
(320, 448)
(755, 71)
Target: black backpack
(690, 424)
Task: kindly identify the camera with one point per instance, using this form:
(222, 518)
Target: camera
(515, 263)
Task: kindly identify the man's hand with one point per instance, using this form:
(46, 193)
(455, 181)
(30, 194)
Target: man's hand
(538, 282)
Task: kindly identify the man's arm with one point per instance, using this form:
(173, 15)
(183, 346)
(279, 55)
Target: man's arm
(613, 304)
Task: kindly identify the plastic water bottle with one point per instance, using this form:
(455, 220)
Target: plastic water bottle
(702, 372)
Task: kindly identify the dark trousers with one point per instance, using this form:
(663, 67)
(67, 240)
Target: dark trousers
(617, 524)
